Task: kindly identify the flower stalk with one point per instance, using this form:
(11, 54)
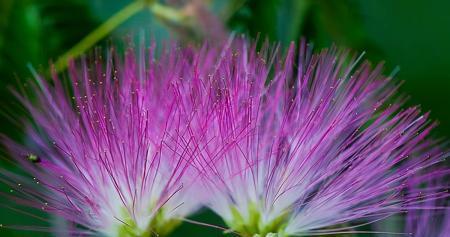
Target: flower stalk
(99, 33)
(162, 12)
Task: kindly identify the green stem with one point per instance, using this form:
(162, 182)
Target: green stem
(168, 14)
(163, 12)
(104, 29)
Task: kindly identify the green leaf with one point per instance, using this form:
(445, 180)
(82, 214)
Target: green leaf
(291, 20)
(341, 23)
(34, 32)
(256, 18)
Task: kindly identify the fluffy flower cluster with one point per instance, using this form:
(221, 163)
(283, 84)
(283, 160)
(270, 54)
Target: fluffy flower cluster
(299, 146)
(286, 144)
(97, 154)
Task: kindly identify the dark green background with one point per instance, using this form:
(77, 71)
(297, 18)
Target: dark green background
(411, 34)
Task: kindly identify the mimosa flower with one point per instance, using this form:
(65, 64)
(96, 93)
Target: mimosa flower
(301, 146)
(97, 153)
(282, 144)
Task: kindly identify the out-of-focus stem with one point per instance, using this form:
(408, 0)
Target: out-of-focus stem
(164, 13)
(99, 33)
(168, 14)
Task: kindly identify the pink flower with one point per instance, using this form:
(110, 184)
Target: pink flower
(275, 144)
(97, 150)
(296, 146)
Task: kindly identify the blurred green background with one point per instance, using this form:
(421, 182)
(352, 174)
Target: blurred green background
(411, 34)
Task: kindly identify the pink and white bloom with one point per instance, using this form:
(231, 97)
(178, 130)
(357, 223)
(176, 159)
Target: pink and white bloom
(294, 144)
(302, 145)
(98, 151)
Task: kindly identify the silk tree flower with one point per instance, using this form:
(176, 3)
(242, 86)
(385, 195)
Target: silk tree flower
(96, 154)
(303, 145)
(282, 146)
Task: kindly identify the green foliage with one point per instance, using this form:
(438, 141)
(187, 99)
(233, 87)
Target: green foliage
(254, 17)
(35, 31)
(32, 32)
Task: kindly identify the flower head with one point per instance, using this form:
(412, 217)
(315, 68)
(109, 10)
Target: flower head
(97, 148)
(302, 145)
(283, 145)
